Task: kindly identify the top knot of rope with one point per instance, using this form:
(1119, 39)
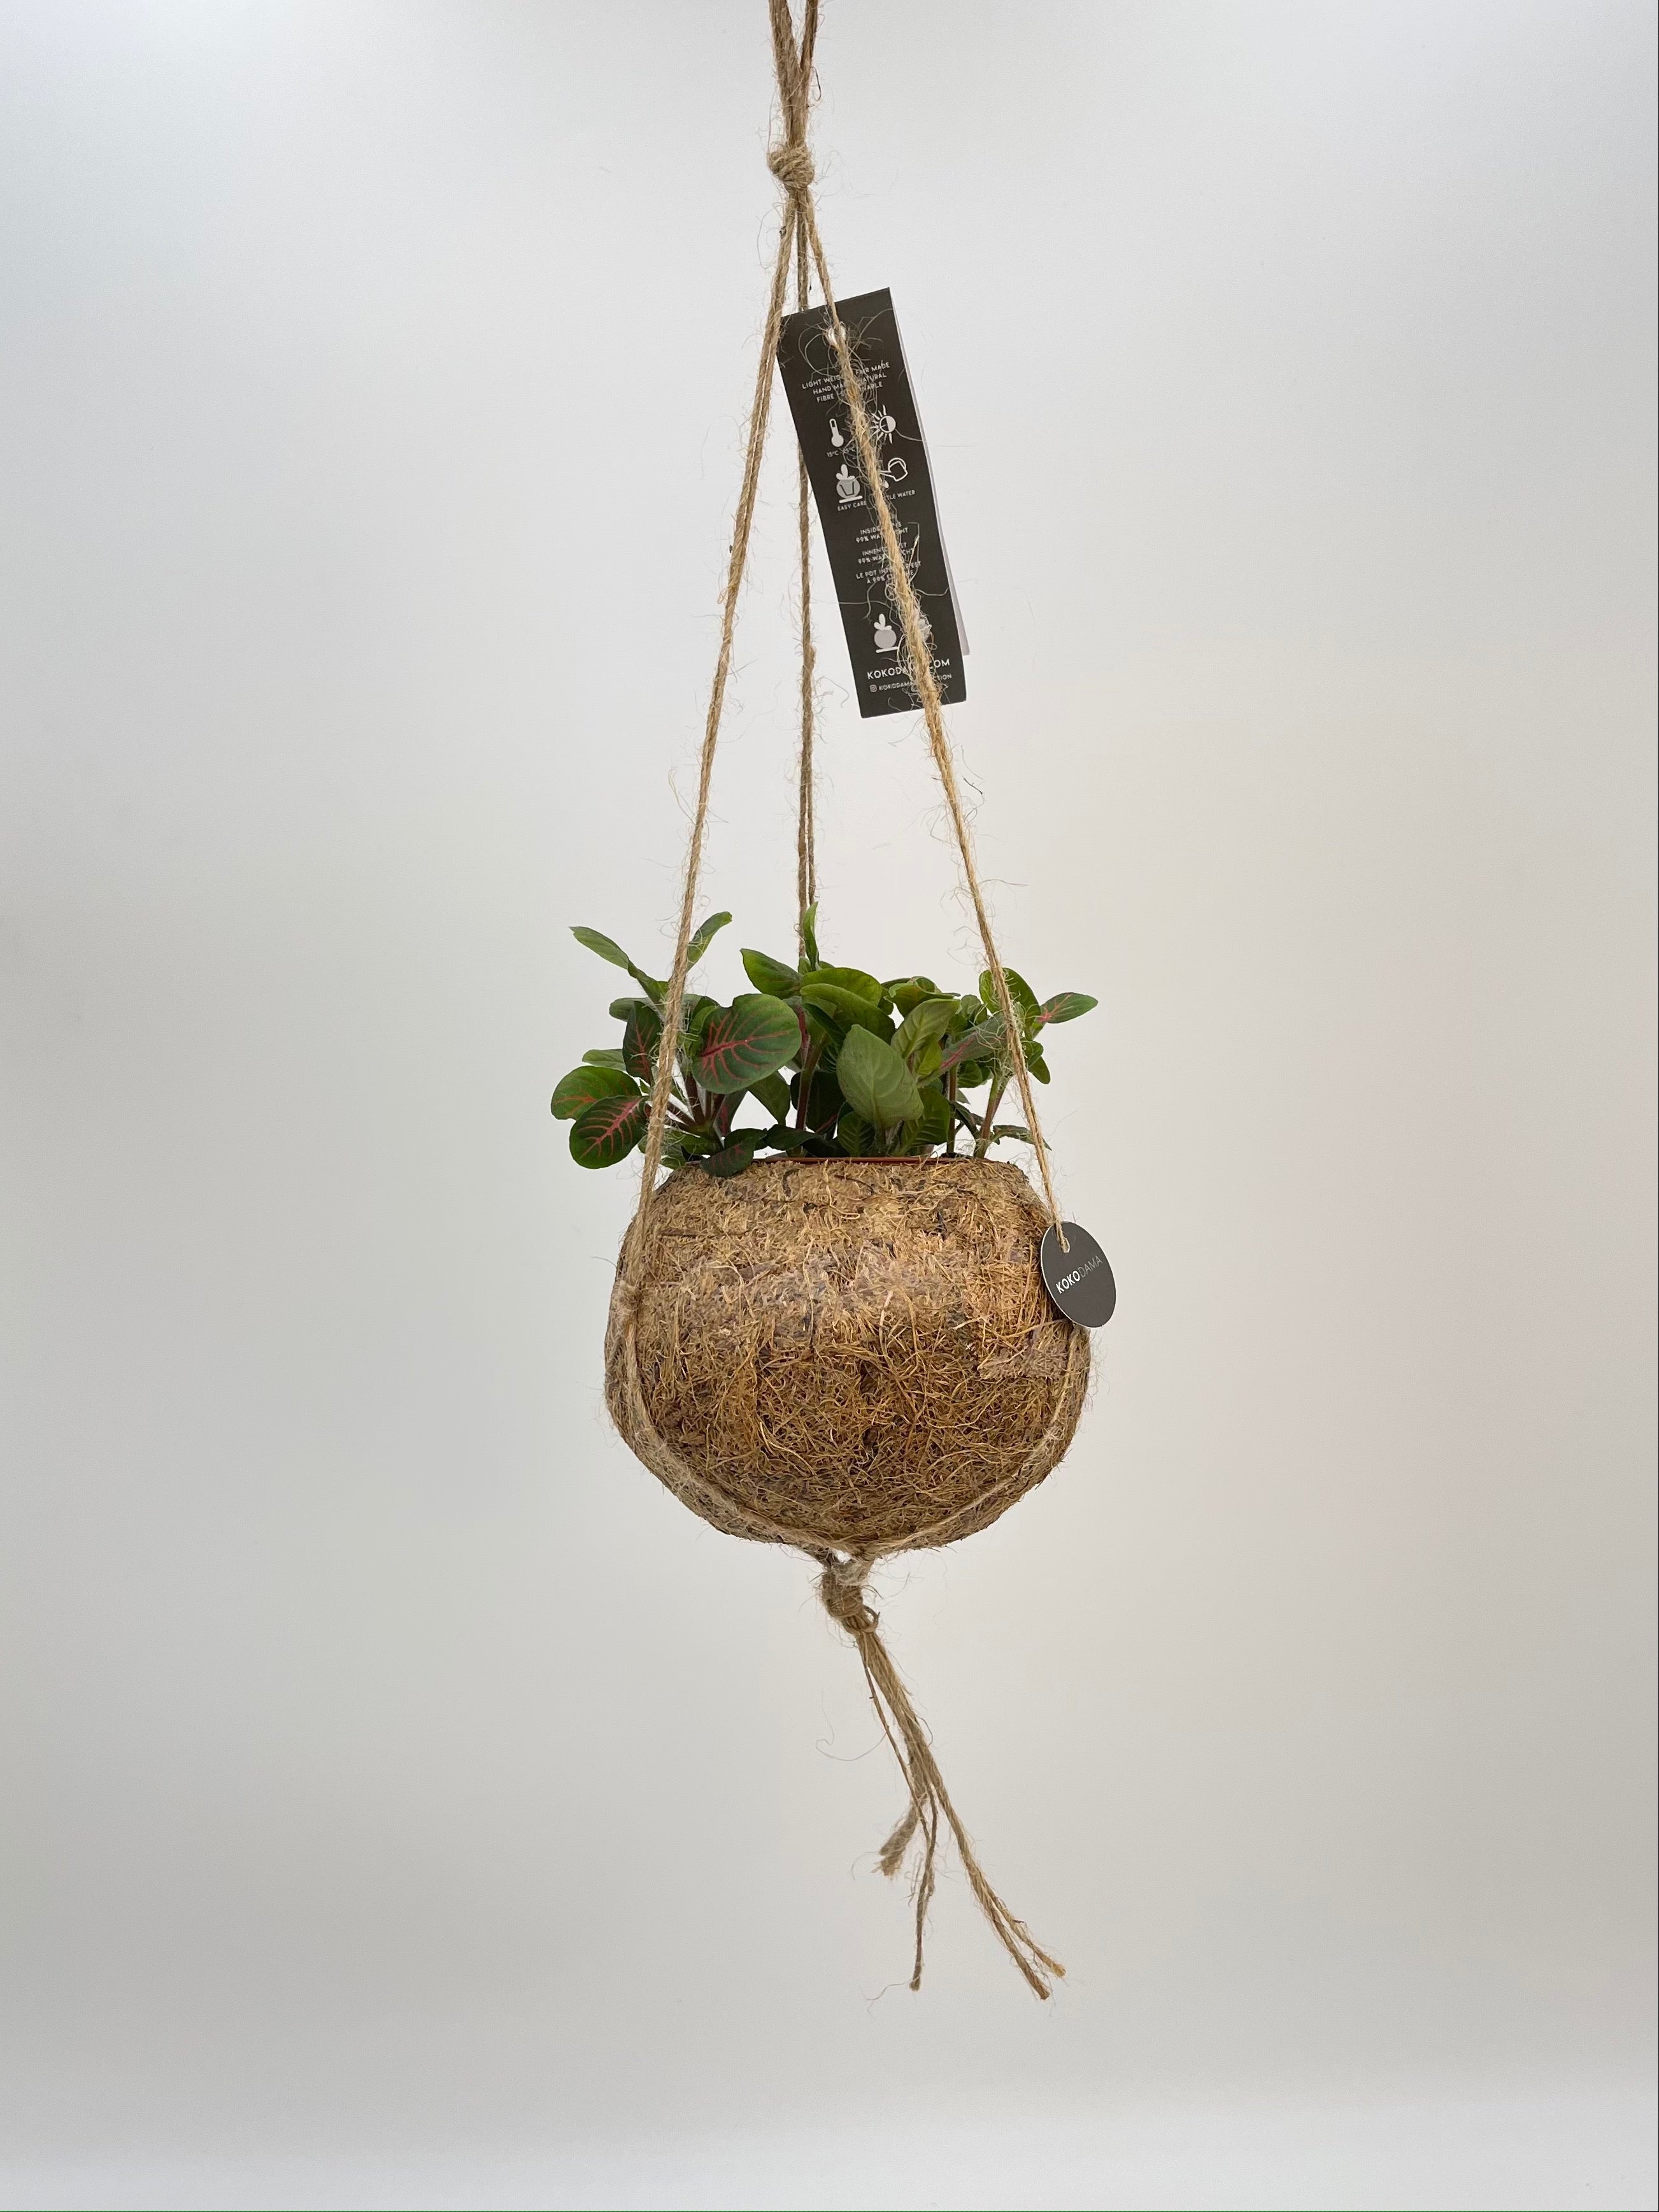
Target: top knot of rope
(791, 165)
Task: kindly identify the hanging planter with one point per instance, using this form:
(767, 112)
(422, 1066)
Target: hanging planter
(853, 1355)
(830, 1327)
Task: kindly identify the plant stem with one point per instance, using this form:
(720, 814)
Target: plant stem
(982, 1142)
(808, 1061)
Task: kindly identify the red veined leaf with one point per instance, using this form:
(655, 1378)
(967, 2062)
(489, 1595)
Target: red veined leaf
(1066, 1006)
(638, 1044)
(608, 1130)
(583, 1085)
(741, 1042)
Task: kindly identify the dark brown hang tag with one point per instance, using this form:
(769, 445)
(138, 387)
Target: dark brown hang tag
(1079, 1281)
(852, 536)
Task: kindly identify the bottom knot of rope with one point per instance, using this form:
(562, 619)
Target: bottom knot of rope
(791, 165)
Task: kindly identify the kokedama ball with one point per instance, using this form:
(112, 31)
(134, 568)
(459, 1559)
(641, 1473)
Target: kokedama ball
(854, 1354)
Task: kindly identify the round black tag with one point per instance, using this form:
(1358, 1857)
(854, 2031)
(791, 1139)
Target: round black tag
(1079, 1281)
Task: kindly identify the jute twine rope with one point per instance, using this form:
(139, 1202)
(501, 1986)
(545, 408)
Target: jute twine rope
(806, 869)
(842, 1580)
(840, 1586)
(919, 660)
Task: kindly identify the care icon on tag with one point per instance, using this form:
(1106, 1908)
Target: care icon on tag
(886, 635)
(847, 484)
(837, 441)
(1079, 1276)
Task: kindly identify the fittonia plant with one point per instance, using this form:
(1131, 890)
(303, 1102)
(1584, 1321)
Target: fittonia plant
(840, 1063)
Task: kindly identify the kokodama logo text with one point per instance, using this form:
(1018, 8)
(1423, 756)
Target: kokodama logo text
(1069, 1282)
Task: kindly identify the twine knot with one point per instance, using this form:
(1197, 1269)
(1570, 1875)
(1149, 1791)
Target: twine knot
(791, 165)
(842, 1588)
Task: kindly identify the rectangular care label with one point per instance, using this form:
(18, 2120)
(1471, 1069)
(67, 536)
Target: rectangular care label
(851, 535)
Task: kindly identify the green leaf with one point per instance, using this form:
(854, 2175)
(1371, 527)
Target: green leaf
(907, 992)
(743, 1041)
(587, 1085)
(981, 1043)
(1020, 991)
(875, 1082)
(821, 1030)
(824, 1099)
(608, 1130)
(638, 1044)
(1036, 1063)
(924, 1026)
(766, 974)
(696, 1013)
(679, 1145)
(773, 1092)
(809, 935)
(695, 1010)
(735, 1155)
(608, 949)
(742, 1145)
(704, 938)
(853, 980)
(622, 1008)
(1066, 1006)
(604, 1055)
(845, 1007)
(935, 1125)
(1011, 1129)
(854, 1135)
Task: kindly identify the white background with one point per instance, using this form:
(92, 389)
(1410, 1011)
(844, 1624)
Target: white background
(406, 1802)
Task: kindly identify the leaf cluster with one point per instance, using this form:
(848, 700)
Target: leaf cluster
(842, 1063)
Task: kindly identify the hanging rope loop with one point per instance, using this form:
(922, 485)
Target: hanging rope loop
(792, 64)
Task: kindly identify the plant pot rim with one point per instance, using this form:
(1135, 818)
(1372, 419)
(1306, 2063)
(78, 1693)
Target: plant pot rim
(909, 1160)
(874, 1160)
